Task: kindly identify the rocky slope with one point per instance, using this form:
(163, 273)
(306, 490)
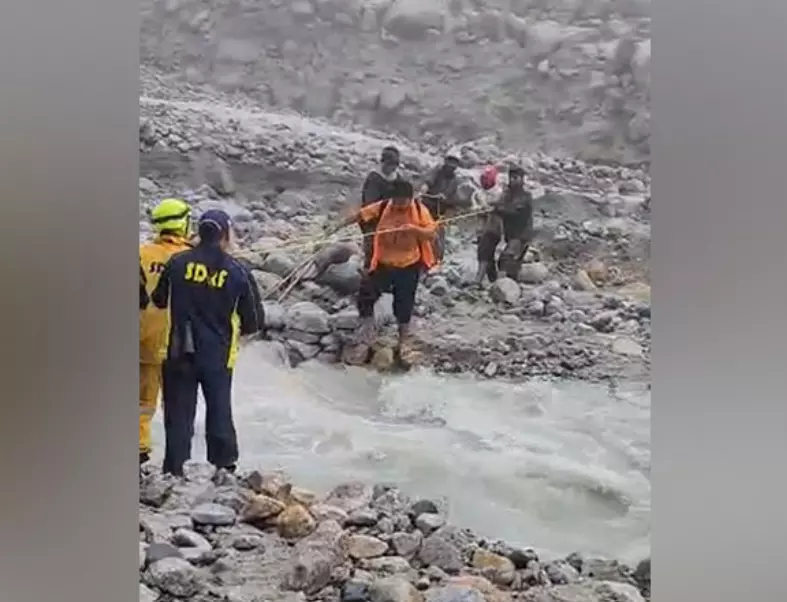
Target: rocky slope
(260, 539)
(562, 76)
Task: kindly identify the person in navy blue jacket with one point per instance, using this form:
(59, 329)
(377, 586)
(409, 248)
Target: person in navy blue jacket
(213, 301)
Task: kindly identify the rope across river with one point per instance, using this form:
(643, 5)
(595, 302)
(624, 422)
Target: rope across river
(295, 275)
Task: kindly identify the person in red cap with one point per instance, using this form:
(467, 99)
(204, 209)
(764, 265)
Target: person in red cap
(489, 228)
(510, 219)
(213, 301)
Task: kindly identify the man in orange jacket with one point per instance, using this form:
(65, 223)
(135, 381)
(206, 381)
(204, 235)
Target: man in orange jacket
(171, 219)
(401, 251)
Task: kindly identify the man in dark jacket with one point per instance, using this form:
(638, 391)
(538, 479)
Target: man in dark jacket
(378, 186)
(437, 194)
(213, 301)
(511, 219)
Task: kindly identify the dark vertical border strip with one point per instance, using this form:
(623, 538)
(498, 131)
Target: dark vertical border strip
(719, 258)
(68, 208)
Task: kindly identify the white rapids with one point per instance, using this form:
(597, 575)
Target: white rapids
(561, 467)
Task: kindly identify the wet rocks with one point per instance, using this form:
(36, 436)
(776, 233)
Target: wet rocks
(588, 591)
(246, 542)
(505, 290)
(262, 508)
(383, 358)
(455, 593)
(360, 542)
(213, 515)
(388, 565)
(186, 538)
(295, 522)
(627, 346)
(315, 558)
(642, 576)
(440, 549)
(308, 318)
(533, 273)
(561, 572)
(322, 512)
(407, 544)
(350, 497)
(174, 576)
(420, 507)
(499, 569)
(393, 589)
(154, 491)
(365, 546)
(343, 278)
(158, 551)
(146, 594)
(279, 264)
(429, 521)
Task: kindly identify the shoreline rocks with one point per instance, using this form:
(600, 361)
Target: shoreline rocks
(359, 543)
(513, 329)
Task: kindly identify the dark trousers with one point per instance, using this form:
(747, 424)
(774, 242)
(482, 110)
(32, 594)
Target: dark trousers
(180, 381)
(368, 243)
(401, 282)
(511, 257)
(487, 246)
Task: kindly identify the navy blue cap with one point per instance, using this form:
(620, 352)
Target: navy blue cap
(216, 218)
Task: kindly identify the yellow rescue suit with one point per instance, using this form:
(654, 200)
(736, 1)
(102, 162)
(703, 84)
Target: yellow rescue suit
(153, 332)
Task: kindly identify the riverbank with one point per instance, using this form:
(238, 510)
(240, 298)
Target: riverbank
(257, 537)
(580, 307)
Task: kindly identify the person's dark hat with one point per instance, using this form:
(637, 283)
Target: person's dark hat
(215, 219)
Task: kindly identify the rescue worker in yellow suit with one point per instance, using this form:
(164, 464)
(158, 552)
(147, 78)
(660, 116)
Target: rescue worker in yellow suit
(171, 219)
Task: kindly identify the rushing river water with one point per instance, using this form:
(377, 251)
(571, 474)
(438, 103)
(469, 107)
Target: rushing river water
(560, 467)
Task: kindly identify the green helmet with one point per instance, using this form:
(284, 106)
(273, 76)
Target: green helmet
(171, 215)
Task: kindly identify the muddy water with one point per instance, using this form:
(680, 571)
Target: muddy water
(560, 467)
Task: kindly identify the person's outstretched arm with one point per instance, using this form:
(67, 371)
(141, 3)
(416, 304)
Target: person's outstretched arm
(364, 214)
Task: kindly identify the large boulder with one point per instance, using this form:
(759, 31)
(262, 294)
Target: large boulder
(343, 278)
(505, 291)
(315, 558)
(412, 19)
(308, 317)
